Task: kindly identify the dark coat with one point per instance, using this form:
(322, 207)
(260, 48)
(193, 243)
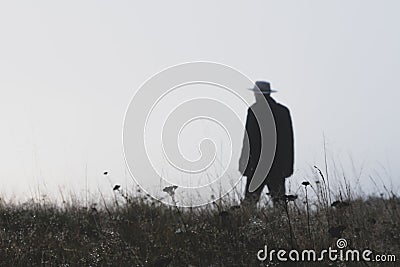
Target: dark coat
(282, 165)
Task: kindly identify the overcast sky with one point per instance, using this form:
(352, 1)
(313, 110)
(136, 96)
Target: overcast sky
(69, 69)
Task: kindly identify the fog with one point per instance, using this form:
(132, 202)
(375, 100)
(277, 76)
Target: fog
(69, 70)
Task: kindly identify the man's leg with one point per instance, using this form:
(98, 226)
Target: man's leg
(252, 198)
(276, 188)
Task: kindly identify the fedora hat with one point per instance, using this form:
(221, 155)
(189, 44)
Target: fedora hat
(262, 87)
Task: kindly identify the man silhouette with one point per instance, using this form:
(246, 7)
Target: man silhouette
(282, 164)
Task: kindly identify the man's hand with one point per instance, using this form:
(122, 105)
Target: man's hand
(243, 165)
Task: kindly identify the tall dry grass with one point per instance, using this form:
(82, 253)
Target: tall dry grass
(134, 230)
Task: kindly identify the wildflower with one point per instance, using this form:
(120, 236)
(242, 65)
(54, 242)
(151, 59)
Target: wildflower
(116, 187)
(291, 197)
(170, 190)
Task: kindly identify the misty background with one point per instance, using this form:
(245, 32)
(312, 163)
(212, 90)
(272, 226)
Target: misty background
(68, 71)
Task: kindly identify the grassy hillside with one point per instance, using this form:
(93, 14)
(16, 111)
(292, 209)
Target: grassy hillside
(137, 231)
